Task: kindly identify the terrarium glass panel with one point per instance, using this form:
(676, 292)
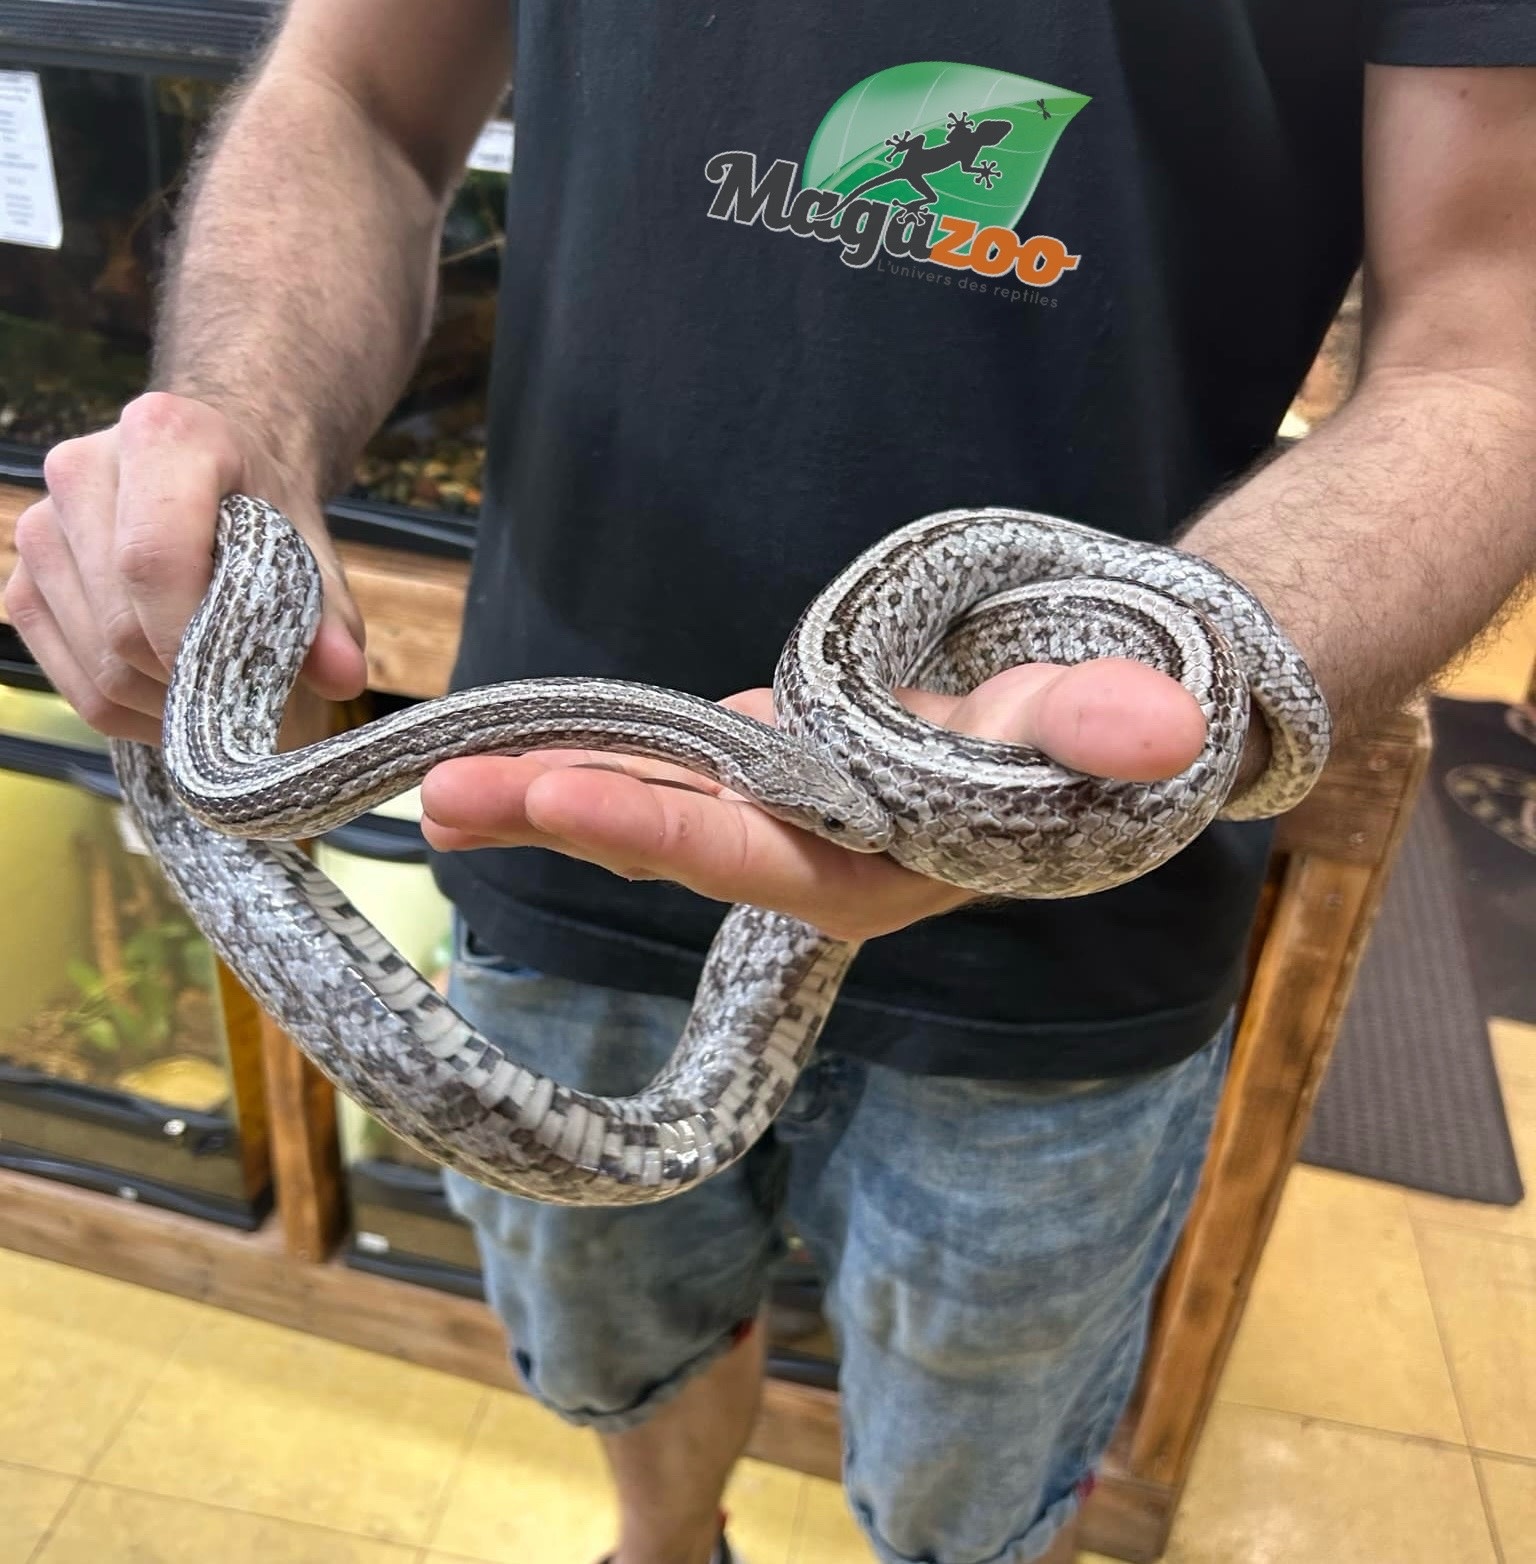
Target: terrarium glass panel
(75, 321)
(104, 980)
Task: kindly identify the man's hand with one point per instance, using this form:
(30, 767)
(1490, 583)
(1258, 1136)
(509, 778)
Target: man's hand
(647, 821)
(113, 562)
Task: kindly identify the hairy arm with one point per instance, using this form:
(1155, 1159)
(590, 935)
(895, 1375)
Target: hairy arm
(303, 283)
(298, 298)
(1387, 539)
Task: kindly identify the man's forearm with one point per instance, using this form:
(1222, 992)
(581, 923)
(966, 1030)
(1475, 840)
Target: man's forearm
(1387, 539)
(304, 274)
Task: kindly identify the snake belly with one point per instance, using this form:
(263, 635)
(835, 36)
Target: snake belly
(942, 603)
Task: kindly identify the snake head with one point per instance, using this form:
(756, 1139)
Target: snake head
(813, 795)
(869, 831)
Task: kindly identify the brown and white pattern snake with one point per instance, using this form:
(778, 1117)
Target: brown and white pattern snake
(942, 603)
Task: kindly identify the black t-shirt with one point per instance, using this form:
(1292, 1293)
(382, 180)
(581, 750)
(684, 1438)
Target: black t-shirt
(1076, 256)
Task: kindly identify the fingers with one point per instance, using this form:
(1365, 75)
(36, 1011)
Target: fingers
(1107, 718)
(644, 828)
(336, 666)
(480, 801)
(60, 619)
(117, 557)
(728, 851)
(177, 460)
(26, 610)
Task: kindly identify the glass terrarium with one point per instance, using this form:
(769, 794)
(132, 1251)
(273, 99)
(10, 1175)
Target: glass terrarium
(110, 143)
(117, 1068)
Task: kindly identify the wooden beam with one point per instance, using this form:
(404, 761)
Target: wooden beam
(306, 1159)
(413, 606)
(1321, 918)
(14, 499)
(1353, 815)
(245, 1042)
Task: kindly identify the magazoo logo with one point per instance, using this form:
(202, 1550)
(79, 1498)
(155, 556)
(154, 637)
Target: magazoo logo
(955, 152)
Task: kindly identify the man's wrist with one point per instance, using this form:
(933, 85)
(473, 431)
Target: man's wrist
(278, 457)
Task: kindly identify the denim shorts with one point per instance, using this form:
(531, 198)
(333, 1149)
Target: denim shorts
(990, 1252)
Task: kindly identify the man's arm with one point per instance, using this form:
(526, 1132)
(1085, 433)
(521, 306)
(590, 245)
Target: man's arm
(1390, 536)
(300, 291)
(304, 280)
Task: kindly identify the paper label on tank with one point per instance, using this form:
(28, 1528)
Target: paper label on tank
(29, 194)
(128, 833)
(492, 151)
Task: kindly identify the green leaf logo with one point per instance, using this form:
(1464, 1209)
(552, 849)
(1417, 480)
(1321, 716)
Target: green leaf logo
(963, 140)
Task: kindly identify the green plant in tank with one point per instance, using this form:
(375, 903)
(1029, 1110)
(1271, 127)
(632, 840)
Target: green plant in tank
(131, 1015)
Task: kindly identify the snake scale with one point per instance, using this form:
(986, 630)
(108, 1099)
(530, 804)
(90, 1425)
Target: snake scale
(942, 603)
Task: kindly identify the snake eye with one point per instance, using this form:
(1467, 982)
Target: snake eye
(832, 823)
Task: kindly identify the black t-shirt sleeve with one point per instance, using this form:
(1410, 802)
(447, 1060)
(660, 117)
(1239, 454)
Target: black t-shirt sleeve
(1450, 32)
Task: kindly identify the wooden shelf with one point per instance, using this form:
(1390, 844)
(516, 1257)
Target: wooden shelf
(1330, 866)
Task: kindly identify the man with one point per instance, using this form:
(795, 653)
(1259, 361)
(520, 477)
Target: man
(1116, 239)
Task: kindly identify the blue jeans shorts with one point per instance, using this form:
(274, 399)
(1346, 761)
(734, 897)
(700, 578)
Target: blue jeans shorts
(990, 1252)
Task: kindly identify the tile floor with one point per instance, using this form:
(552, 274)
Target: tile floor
(1379, 1406)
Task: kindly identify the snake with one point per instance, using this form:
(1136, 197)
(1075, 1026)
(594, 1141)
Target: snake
(939, 604)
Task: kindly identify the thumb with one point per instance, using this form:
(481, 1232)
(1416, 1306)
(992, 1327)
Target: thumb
(1108, 718)
(336, 666)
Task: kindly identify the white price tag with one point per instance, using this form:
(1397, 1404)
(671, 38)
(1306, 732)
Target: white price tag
(29, 195)
(492, 151)
(128, 833)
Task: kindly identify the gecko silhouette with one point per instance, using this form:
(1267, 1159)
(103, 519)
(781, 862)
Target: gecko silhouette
(960, 146)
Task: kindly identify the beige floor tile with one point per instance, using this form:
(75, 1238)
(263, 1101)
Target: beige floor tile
(1516, 1221)
(1511, 1490)
(115, 1524)
(1270, 1488)
(30, 1501)
(1514, 1046)
(254, 1417)
(764, 1506)
(1484, 1289)
(76, 1351)
(1340, 1324)
(533, 1487)
(530, 1487)
(827, 1532)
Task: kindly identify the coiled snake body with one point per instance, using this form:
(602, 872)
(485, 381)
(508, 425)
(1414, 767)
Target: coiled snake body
(943, 603)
